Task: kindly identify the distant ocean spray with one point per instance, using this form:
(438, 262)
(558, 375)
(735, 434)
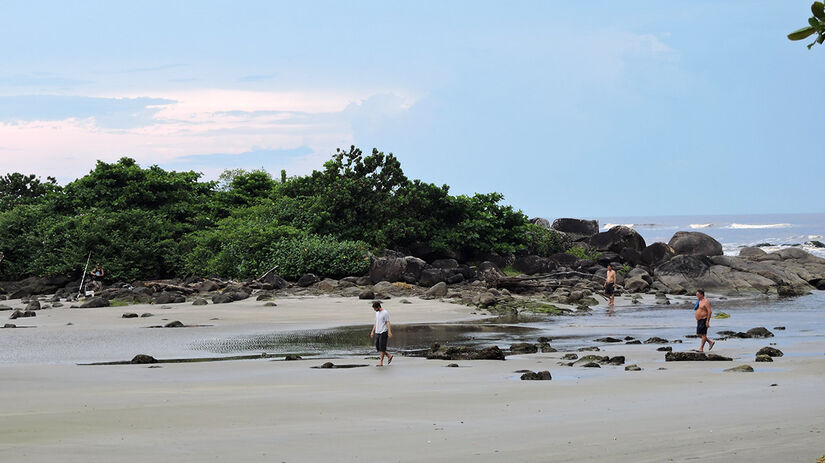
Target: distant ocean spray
(769, 231)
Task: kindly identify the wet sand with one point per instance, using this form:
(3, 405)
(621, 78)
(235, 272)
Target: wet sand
(413, 410)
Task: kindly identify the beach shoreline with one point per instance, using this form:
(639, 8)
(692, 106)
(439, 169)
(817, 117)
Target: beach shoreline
(413, 410)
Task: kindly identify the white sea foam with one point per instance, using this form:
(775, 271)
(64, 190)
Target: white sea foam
(608, 226)
(701, 225)
(814, 237)
(744, 226)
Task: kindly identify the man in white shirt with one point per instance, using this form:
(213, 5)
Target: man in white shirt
(381, 332)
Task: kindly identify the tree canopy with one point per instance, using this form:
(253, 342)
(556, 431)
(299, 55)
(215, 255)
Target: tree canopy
(149, 222)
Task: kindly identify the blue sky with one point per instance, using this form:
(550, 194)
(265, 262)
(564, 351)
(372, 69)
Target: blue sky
(569, 109)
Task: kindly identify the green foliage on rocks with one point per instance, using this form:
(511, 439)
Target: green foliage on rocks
(152, 223)
(584, 253)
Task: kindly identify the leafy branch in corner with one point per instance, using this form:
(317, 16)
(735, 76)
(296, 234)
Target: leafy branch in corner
(816, 25)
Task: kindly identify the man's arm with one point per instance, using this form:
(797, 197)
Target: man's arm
(707, 305)
(372, 333)
(389, 329)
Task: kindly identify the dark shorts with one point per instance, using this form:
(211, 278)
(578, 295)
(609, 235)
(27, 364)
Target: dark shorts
(381, 341)
(608, 289)
(701, 326)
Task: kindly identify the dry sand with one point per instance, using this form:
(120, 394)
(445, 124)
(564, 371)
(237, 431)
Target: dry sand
(413, 410)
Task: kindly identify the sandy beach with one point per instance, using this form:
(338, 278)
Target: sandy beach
(413, 410)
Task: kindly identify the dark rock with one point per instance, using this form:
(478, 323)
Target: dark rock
(588, 349)
(129, 315)
(455, 278)
(327, 365)
(143, 359)
(694, 357)
(464, 353)
(174, 324)
(751, 252)
(432, 276)
(146, 315)
(635, 341)
(760, 332)
(591, 365)
(618, 238)
(563, 259)
(570, 356)
(545, 347)
(451, 365)
(95, 302)
(633, 367)
(523, 348)
(695, 243)
(270, 304)
(536, 376)
(9, 325)
(770, 351)
(607, 339)
(763, 358)
(200, 301)
(33, 305)
(169, 297)
(445, 263)
(530, 265)
(292, 357)
(229, 296)
(207, 286)
(656, 340)
(740, 369)
(779, 328)
(631, 256)
(665, 349)
(308, 279)
(657, 253)
(366, 294)
(617, 360)
(274, 280)
(579, 228)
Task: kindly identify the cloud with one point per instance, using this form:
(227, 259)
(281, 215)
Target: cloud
(116, 113)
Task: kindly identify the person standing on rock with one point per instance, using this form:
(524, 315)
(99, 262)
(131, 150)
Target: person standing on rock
(610, 284)
(703, 313)
(381, 332)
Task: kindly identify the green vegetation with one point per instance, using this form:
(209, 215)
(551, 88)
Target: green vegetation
(151, 223)
(720, 315)
(624, 269)
(816, 25)
(584, 253)
(529, 305)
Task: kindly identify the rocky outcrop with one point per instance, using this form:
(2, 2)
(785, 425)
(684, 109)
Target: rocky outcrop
(439, 352)
(770, 352)
(618, 238)
(576, 229)
(695, 244)
(143, 359)
(657, 253)
(695, 357)
(530, 265)
(537, 376)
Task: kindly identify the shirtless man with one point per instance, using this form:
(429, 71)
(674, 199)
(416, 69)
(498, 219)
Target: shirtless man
(610, 284)
(703, 313)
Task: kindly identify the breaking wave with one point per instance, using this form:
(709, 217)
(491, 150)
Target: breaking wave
(701, 225)
(747, 226)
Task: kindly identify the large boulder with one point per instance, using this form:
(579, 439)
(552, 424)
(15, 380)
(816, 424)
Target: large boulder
(392, 269)
(750, 252)
(437, 290)
(530, 265)
(576, 228)
(563, 259)
(308, 279)
(274, 280)
(618, 238)
(695, 243)
(431, 276)
(95, 302)
(657, 253)
(631, 256)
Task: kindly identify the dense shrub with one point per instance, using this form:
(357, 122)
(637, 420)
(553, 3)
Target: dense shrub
(541, 241)
(322, 255)
(583, 252)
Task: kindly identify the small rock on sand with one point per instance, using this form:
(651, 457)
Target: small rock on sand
(633, 367)
(740, 369)
(536, 376)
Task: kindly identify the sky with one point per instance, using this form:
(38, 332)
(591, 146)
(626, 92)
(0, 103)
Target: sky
(579, 109)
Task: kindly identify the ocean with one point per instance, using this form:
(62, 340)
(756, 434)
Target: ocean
(771, 231)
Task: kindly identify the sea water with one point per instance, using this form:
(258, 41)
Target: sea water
(771, 231)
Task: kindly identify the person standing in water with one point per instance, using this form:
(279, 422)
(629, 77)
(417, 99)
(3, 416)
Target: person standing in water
(610, 284)
(703, 313)
(381, 332)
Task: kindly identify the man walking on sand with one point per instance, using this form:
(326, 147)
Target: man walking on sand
(703, 313)
(381, 332)
(610, 284)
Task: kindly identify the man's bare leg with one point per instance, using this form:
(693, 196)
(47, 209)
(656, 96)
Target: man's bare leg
(381, 359)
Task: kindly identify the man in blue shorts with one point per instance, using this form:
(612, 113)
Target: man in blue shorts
(381, 332)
